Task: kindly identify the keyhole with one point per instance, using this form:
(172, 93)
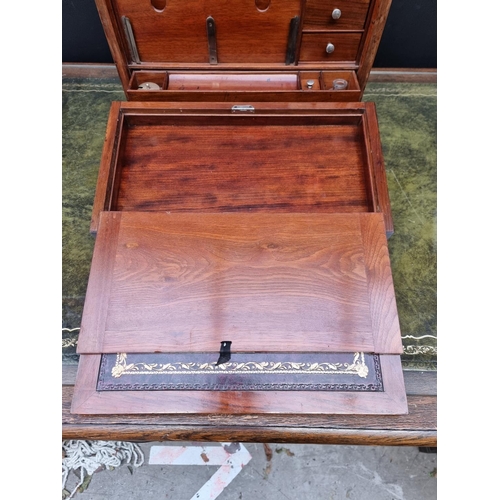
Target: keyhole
(262, 5)
(159, 5)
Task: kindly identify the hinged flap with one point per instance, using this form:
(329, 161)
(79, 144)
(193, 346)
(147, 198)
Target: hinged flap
(186, 282)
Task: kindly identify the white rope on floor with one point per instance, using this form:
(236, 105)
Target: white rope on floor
(88, 456)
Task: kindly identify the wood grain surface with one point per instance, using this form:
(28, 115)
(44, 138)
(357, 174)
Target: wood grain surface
(164, 282)
(243, 164)
(108, 176)
(379, 10)
(101, 281)
(179, 32)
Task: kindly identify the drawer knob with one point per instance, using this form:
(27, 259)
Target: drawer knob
(330, 48)
(336, 14)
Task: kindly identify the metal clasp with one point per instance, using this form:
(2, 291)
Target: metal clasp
(225, 352)
(242, 108)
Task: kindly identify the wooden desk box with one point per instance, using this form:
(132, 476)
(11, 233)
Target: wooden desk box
(241, 217)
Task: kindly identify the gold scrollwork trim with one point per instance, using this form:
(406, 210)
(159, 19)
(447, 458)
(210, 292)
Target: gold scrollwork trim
(413, 350)
(357, 367)
(69, 342)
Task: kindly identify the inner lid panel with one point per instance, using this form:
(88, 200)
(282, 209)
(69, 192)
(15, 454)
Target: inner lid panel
(176, 30)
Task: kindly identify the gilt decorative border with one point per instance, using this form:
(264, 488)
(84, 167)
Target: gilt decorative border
(243, 374)
(357, 367)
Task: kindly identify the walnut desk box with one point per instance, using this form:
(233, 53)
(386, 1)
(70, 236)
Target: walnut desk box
(241, 216)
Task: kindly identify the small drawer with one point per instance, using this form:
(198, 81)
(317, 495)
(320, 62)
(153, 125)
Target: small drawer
(335, 14)
(331, 47)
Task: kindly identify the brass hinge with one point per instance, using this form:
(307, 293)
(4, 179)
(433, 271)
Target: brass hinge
(212, 41)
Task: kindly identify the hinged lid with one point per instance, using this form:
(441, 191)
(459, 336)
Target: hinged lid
(163, 282)
(172, 44)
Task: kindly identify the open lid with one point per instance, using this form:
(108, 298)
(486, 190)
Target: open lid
(267, 282)
(253, 35)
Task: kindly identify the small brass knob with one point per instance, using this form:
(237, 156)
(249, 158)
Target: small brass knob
(336, 14)
(330, 48)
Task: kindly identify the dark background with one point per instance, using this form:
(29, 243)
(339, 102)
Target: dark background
(409, 39)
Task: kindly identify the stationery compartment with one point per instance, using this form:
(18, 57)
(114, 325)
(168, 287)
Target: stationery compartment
(239, 86)
(232, 81)
(267, 158)
(240, 42)
(341, 85)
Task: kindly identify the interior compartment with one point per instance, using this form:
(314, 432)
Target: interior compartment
(241, 162)
(139, 78)
(328, 77)
(310, 80)
(233, 81)
(248, 85)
